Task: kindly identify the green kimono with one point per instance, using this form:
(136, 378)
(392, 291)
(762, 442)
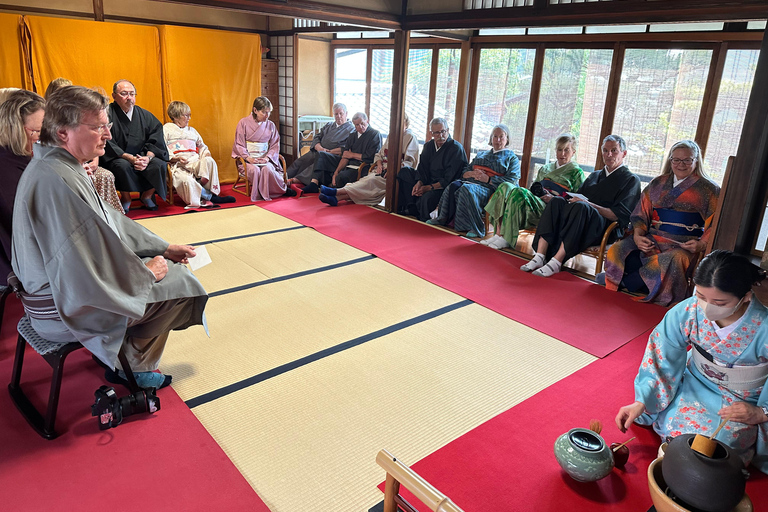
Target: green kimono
(514, 208)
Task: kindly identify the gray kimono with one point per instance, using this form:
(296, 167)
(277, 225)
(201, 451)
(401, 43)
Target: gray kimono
(68, 243)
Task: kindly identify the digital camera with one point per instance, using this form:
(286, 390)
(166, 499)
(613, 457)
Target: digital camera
(537, 189)
(111, 410)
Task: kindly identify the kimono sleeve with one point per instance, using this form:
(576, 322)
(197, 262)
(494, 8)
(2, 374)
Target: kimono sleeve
(240, 146)
(643, 214)
(663, 364)
(318, 138)
(273, 153)
(511, 167)
(454, 161)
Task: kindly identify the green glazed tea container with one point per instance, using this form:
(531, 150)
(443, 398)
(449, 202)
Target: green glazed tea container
(584, 455)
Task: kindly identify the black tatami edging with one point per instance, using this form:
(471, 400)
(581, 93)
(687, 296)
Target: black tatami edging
(290, 276)
(274, 372)
(249, 235)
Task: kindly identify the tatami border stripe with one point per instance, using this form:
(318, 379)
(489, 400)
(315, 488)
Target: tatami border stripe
(237, 386)
(290, 276)
(248, 235)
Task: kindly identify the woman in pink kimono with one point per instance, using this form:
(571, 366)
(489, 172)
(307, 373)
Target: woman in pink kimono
(258, 143)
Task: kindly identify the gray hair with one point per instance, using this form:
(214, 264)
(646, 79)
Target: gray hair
(55, 85)
(693, 147)
(114, 87)
(564, 140)
(13, 113)
(339, 105)
(66, 109)
(359, 116)
(176, 109)
(439, 120)
(5, 92)
(618, 140)
(503, 128)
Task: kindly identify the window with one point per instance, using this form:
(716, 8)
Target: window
(490, 4)
(503, 93)
(447, 85)
(659, 102)
(349, 78)
(574, 84)
(381, 89)
(417, 92)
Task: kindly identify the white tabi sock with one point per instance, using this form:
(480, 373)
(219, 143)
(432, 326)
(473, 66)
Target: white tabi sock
(499, 243)
(537, 262)
(550, 269)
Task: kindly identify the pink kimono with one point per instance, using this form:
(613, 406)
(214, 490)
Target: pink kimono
(266, 179)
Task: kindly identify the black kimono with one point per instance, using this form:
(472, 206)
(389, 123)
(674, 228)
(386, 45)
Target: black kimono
(578, 225)
(136, 137)
(435, 166)
(367, 144)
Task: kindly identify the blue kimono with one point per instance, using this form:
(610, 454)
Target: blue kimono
(679, 398)
(464, 200)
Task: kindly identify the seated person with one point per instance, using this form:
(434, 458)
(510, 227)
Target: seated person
(568, 226)
(257, 141)
(195, 173)
(671, 224)
(370, 189)
(464, 200)
(116, 286)
(512, 208)
(441, 162)
(360, 147)
(328, 140)
(104, 183)
(56, 84)
(706, 361)
(136, 154)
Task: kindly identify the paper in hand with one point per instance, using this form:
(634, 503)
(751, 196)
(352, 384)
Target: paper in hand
(578, 196)
(201, 258)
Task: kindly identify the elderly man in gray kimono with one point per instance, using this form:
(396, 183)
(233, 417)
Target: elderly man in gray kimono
(116, 286)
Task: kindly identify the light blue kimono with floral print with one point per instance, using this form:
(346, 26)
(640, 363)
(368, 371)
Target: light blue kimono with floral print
(679, 399)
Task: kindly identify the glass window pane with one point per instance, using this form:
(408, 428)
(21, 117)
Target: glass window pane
(447, 85)
(659, 103)
(417, 90)
(731, 107)
(349, 78)
(503, 92)
(574, 84)
(381, 90)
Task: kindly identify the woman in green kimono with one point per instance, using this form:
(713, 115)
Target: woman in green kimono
(514, 208)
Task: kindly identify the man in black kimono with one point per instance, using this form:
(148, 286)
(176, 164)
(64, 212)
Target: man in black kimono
(136, 155)
(568, 226)
(360, 147)
(441, 162)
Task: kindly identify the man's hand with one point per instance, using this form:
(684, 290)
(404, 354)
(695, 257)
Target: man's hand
(349, 155)
(179, 253)
(742, 412)
(141, 162)
(320, 149)
(628, 414)
(644, 243)
(417, 189)
(334, 151)
(158, 266)
(693, 246)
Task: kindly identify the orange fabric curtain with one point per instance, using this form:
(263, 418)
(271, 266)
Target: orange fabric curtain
(12, 68)
(216, 73)
(97, 54)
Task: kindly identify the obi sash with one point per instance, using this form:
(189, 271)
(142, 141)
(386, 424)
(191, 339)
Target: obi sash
(736, 378)
(678, 223)
(257, 149)
(485, 170)
(182, 146)
(39, 307)
(555, 189)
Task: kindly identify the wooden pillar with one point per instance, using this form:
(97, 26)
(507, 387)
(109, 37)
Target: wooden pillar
(747, 186)
(611, 98)
(395, 138)
(462, 95)
(711, 90)
(98, 10)
(533, 110)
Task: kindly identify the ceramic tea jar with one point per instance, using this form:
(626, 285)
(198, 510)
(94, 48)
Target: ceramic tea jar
(584, 455)
(711, 484)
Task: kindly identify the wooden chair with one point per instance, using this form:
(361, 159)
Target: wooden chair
(397, 474)
(598, 251)
(169, 177)
(244, 177)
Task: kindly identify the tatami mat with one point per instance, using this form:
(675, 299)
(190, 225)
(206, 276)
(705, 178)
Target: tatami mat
(197, 227)
(307, 439)
(226, 270)
(264, 327)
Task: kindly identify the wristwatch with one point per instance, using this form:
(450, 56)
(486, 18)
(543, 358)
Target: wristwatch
(764, 408)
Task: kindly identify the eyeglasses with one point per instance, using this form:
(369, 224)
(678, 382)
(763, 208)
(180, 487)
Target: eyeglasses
(678, 161)
(127, 94)
(100, 127)
(441, 132)
(32, 132)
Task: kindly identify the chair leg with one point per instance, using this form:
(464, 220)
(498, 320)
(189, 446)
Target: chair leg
(18, 363)
(53, 396)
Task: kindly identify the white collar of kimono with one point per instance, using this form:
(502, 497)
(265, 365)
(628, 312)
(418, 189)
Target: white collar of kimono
(497, 150)
(560, 166)
(129, 114)
(607, 172)
(676, 181)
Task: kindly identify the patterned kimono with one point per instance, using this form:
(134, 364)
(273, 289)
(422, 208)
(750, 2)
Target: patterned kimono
(196, 163)
(266, 179)
(514, 208)
(464, 200)
(662, 212)
(680, 399)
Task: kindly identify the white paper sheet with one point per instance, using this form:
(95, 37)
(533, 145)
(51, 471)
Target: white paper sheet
(201, 259)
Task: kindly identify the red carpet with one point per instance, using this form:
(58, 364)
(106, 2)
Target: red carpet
(166, 461)
(570, 309)
(164, 209)
(507, 464)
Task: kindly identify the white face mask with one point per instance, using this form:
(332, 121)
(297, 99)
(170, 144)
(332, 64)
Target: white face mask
(713, 312)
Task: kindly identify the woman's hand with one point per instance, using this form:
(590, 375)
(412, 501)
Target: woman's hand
(628, 414)
(693, 246)
(547, 197)
(643, 243)
(743, 412)
(179, 253)
(261, 160)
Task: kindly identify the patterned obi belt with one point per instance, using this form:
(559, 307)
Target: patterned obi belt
(735, 378)
(39, 307)
(678, 223)
(555, 189)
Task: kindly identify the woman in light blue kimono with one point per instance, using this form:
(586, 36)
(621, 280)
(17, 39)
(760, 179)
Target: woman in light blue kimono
(708, 360)
(464, 200)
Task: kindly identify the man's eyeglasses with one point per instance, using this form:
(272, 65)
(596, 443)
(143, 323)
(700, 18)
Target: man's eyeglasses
(678, 161)
(441, 132)
(100, 127)
(127, 94)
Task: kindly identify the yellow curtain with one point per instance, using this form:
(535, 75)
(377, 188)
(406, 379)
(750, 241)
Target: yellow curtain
(97, 54)
(216, 73)
(12, 69)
